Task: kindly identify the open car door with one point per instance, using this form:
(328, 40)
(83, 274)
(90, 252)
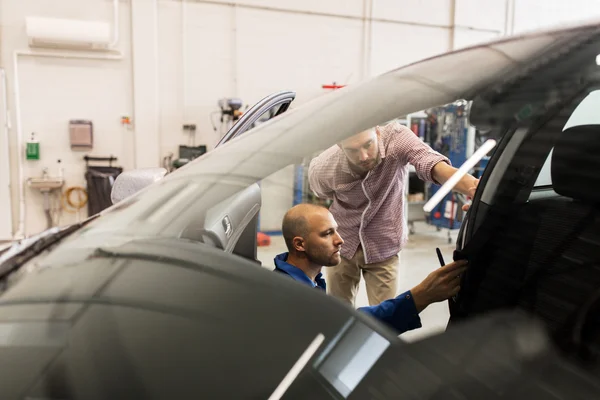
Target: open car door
(233, 224)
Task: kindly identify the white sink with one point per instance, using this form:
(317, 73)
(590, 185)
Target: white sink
(45, 183)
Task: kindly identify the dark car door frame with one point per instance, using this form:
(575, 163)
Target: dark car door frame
(282, 99)
(508, 182)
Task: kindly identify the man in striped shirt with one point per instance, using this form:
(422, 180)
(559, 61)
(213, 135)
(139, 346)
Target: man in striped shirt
(365, 176)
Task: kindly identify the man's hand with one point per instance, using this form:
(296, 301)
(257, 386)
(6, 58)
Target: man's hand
(439, 285)
(473, 187)
(471, 193)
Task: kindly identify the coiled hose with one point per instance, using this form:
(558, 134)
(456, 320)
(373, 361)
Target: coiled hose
(71, 205)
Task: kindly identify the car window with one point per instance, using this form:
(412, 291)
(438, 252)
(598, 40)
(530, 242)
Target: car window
(267, 115)
(586, 113)
(544, 178)
(266, 109)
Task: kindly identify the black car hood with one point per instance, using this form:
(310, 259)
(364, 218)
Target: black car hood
(159, 319)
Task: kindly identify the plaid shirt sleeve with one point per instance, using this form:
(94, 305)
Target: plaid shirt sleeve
(407, 148)
(321, 172)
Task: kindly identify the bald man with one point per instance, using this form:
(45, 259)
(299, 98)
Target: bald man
(313, 242)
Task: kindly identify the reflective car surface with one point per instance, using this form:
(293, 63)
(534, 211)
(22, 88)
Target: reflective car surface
(532, 234)
(162, 295)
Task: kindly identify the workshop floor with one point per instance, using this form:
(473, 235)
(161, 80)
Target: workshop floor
(417, 260)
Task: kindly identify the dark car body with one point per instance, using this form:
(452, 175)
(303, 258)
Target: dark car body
(161, 296)
(532, 236)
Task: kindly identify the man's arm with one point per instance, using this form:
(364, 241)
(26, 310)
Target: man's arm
(407, 148)
(402, 312)
(441, 172)
(399, 313)
(321, 171)
(430, 165)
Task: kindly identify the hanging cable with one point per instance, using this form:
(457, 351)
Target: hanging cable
(71, 205)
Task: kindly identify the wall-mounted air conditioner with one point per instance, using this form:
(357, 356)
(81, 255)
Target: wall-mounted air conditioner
(68, 33)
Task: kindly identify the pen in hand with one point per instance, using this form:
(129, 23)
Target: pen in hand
(442, 263)
(440, 257)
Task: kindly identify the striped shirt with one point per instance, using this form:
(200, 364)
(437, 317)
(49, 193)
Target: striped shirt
(370, 210)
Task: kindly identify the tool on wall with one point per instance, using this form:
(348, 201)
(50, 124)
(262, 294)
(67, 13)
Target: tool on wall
(186, 154)
(191, 129)
(230, 111)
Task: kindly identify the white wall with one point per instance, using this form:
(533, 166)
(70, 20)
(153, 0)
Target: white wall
(6, 230)
(538, 14)
(180, 57)
(146, 103)
(55, 90)
(479, 21)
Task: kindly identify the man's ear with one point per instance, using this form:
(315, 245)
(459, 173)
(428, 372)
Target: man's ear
(298, 244)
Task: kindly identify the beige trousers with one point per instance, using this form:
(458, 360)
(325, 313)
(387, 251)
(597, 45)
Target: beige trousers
(381, 278)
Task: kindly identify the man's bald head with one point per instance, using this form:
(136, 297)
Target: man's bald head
(310, 234)
(296, 222)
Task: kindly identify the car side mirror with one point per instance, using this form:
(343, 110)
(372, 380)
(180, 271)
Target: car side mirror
(129, 183)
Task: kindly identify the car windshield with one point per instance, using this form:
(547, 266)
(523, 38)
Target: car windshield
(529, 233)
(217, 199)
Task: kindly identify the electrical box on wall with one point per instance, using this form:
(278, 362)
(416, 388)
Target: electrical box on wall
(81, 133)
(32, 149)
